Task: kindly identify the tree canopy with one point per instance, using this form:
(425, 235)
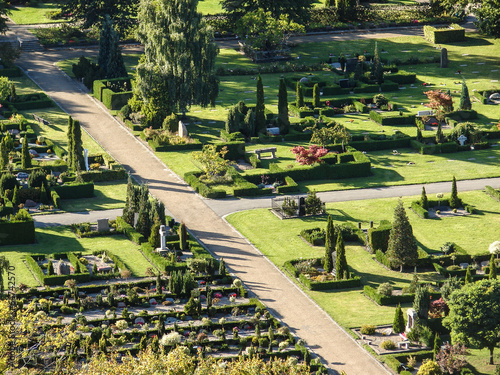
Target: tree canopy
(296, 9)
(474, 318)
(402, 248)
(93, 12)
(178, 65)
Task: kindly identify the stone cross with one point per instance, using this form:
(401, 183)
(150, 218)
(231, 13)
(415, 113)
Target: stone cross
(462, 139)
(444, 58)
(163, 239)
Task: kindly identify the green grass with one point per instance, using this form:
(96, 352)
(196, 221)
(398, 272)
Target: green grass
(34, 15)
(479, 359)
(279, 241)
(107, 195)
(62, 239)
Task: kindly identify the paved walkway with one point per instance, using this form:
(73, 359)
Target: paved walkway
(286, 301)
(68, 218)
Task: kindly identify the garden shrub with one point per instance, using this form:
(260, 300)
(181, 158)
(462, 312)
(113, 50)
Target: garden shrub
(19, 230)
(129, 231)
(385, 289)
(401, 77)
(367, 329)
(492, 192)
(314, 236)
(392, 118)
(235, 149)
(388, 345)
(387, 300)
(419, 210)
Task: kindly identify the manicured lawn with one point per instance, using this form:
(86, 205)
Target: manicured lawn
(479, 359)
(108, 195)
(25, 15)
(62, 239)
(279, 240)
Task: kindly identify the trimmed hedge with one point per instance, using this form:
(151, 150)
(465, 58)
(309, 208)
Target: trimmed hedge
(204, 190)
(13, 71)
(402, 77)
(360, 107)
(360, 167)
(57, 150)
(115, 100)
(378, 238)
(129, 231)
(353, 282)
(462, 115)
(384, 144)
(450, 273)
(334, 90)
(290, 187)
(389, 86)
(451, 34)
(104, 175)
(245, 188)
(387, 300)
(17, 232)
(392, 118)
(7, 208)
(424, 149)
(32, 101)
(195, 145)
(235, 149)
(75, 190)
(419, 210)
(299, 112)
(366, 89)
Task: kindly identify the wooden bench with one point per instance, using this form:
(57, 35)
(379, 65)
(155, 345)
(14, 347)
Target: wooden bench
(40, 120)
(260, 151)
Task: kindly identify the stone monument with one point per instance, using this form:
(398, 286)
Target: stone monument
(411, 315)
(103, 225)
(163, 239)
(444, 58)
(183, 132)
(462, 139)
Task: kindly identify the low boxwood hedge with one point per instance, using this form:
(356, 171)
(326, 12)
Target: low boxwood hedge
(129, 231)
(392, 118)
(75, 190)
(492, 192)
(290, 187)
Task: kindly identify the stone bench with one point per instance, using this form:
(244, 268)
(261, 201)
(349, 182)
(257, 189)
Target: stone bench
(40, 120)
(403, 344)
(260, 151)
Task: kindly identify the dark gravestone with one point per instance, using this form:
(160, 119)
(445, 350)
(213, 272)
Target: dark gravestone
(302, 206)
(344, 83)
(444, 58)
(350, 65)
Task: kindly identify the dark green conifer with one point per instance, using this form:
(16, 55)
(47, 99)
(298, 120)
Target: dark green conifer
(260, 108)
(283, 119)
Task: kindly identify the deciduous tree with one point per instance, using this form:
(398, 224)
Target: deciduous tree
(93, 12)
(178, 65)
(309, 156)
(475, 315)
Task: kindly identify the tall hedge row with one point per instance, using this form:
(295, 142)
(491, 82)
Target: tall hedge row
(17, 232)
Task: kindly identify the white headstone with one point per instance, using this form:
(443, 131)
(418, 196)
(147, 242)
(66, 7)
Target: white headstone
(183, 132)
(163, 239)
(462, 139)
(136, 218)
(86, 157)
(274, 131)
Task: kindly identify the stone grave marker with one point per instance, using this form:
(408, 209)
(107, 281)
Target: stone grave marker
(350, 65)
(136, 218)
(462, 139)
(183, 132)
(411, 315)
(464, 265)
(344, 83)
(444, 58)
(163, 237)
(103, 225)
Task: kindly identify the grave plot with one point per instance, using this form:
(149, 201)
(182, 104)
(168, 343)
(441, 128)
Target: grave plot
(195, 305)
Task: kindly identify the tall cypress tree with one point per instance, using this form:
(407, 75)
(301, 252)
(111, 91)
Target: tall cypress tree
(437, 346)
(468, 276)
(44, 198)
(283, 119)
(329, 245)
(454, 199)
(465, 103)
(439, 134)
(493, 268)
(423, 199)
(182, 236)
(115, 67)
(340, 260)
(402, 248)
(260, 108)
(25, 155)
(70, 141)
(377, 69)
(316, 96)
(105, 43)
(128, 214)
(4, 155)
(77, 153)
(421, 302)
(398, 326)
(300, 96)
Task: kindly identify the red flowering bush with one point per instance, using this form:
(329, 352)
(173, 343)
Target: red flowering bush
(309, 156)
